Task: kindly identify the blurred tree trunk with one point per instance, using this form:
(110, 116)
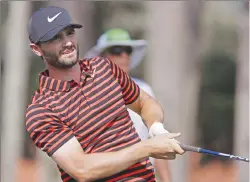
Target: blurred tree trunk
(174, 70)
(241, 146)
(14, 88)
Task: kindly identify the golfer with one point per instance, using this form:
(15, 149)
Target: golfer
(79, 116)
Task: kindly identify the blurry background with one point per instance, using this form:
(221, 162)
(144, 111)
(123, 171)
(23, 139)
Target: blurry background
(197, 63)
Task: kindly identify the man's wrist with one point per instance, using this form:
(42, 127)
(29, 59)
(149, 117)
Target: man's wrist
(157, 128)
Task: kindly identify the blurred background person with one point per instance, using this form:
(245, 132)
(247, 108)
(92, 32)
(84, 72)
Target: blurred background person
(116, 45)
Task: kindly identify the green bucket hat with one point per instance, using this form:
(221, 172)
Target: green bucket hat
(119, 37)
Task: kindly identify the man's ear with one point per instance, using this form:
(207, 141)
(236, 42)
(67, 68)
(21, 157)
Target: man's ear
(36, 49)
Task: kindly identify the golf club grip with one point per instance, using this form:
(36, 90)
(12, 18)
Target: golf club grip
(189, 148)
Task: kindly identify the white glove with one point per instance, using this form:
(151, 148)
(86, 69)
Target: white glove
(157, 128)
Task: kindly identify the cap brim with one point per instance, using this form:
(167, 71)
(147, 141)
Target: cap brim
(55, 31)
(139, 50)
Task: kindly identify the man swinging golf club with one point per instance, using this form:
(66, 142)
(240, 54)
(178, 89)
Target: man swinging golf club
(79, 116)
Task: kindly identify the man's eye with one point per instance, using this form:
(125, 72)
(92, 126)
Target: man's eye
(71, 32)
(56, 37)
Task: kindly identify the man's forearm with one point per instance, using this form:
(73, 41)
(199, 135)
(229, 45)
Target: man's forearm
(101, 165)
(148, 108)
(162, 170)
(151, 112)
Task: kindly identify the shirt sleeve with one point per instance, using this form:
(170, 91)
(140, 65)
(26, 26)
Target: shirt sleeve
(144, 85)
(130, 90)
(45, 129)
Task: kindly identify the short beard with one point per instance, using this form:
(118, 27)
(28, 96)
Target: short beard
(53, 60)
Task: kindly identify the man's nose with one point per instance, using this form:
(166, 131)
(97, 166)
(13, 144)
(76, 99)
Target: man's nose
(124, 54)
(67, 42)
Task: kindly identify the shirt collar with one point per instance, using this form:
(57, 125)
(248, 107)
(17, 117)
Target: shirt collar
(61, 85)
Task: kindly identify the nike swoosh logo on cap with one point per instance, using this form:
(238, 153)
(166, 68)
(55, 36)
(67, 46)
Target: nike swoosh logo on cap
(53, 18)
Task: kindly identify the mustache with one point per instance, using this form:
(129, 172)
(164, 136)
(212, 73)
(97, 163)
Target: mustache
(72, 47)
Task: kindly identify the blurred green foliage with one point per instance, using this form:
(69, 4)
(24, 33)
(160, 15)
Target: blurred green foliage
(37, 65)
(216, 111)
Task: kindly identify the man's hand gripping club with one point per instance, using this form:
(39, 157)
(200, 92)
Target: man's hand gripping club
(157, 131)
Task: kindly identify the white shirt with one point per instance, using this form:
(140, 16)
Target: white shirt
(140, 127)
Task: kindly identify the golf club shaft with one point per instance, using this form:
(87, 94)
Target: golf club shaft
(210, 152)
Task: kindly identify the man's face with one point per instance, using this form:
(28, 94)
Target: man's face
(62, 51)
(120, 55)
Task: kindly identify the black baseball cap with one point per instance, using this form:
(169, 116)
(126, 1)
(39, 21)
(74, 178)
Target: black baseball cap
(46, 23)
